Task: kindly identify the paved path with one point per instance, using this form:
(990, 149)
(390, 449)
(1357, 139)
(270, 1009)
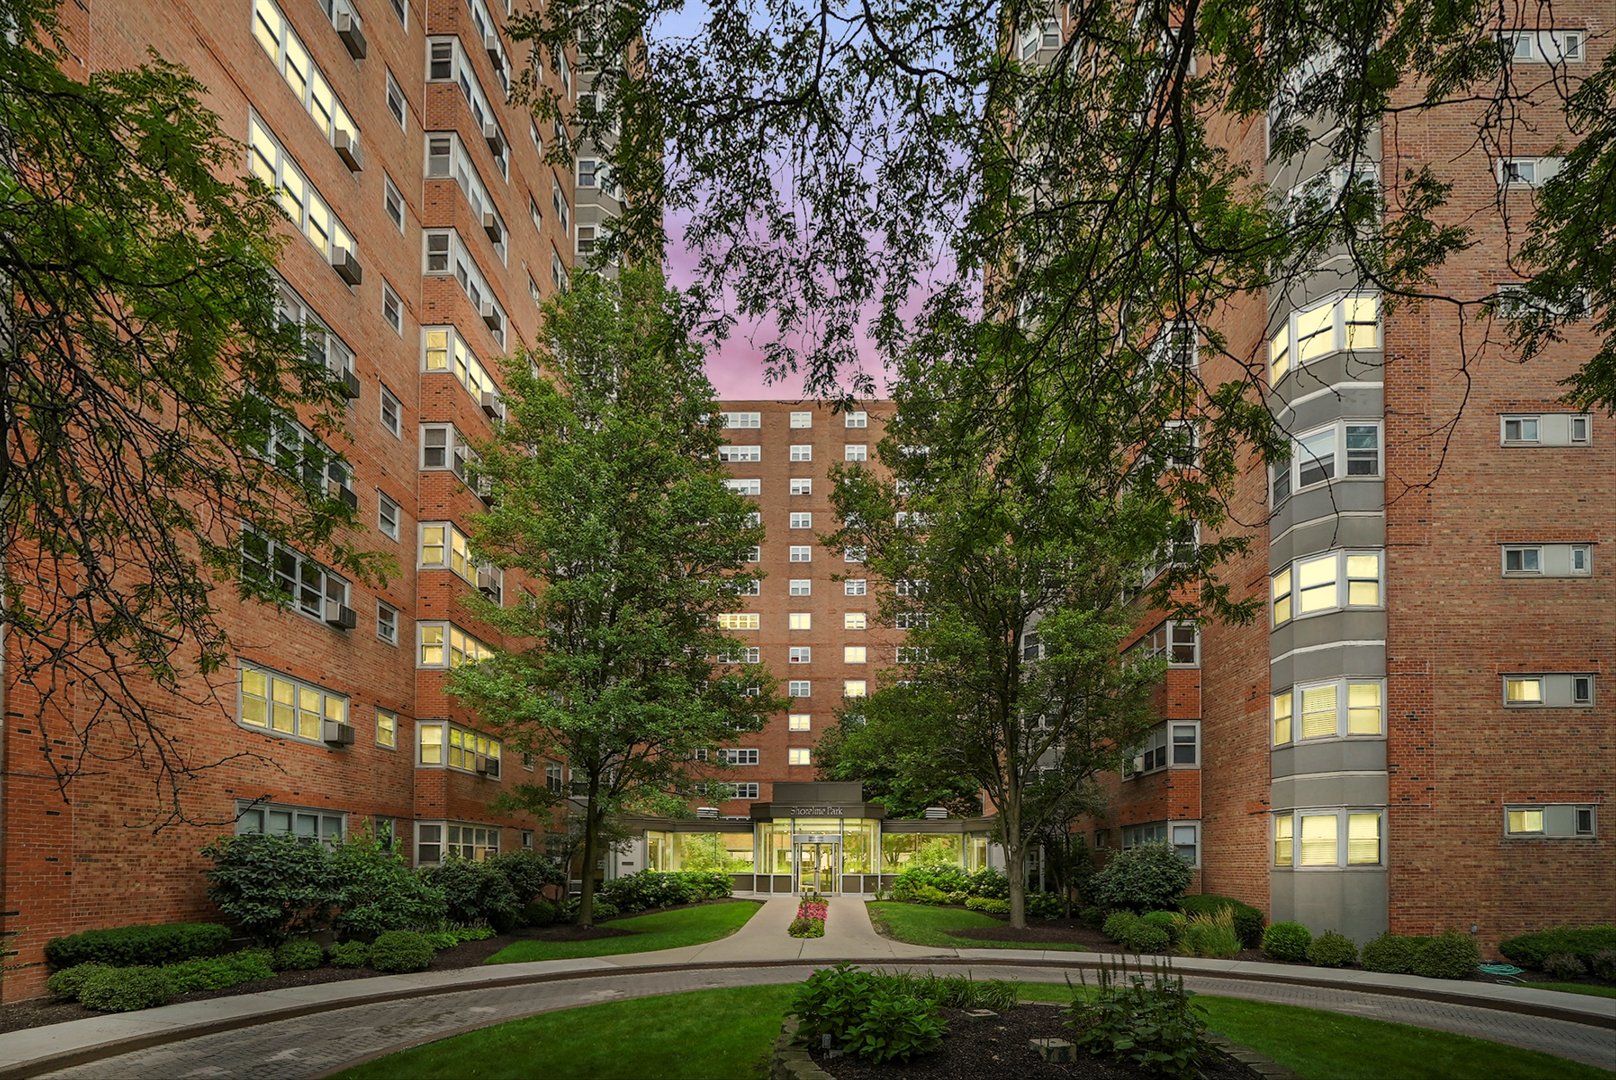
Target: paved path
(330, 1026)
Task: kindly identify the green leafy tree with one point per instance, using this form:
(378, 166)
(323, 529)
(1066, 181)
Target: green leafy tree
(143, 368)
(611, 494)
(891, 764)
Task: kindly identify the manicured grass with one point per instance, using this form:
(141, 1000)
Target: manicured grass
(661, 930)
(728, 1034)
(924, 924)
(1592, 989)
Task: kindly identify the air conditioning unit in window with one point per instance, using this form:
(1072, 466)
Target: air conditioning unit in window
(707, 811)
(491, 45)
(487, 582)
(487, 766)
(346, 144)
(340, 615)
(347, 24)
(492, 227)
(485, 490)
(491, 316)
(338, 490)
(496, 141)
(350, 384)
(492, 406)
(336, 733)
(346, 265)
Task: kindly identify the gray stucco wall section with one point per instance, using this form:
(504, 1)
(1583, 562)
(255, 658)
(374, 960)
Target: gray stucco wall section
(1331, 756)
(1325, 530)
(1351, 902)
(1348, 402)
(1329, 790)
(1333, 626)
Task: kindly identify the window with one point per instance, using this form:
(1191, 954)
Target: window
(1321, 832)
(1186, 841)
(1167, 744)
(908, 587)
(1585, 821)
(802, 419)
(802, 553)
(1527, 171)
(856, 419)
(1317, 457)
(1523, 822)
(1178, 640)
(392, 202)
(799, 721)
(754, 553)
(533, 213)
(1336, 709)
(317, 337)
(738, 757)
(434, 840)
(738, 790)
(1582, 690)
(1318, 839)
(745, 487)
(392, 309)
(306, 823)
(444, 350)
(798, 688)
(802, 452)
(854, 688)
(552, 777)
(395, 100)
(309, 212)
(302, 74)
(856, 452)
(799, 620)
(738, 620)
(387, 623)
(802, 486)
(1328, 582)
(1337, 324)
(447, 157)
(750, 654)
(853, 654)
(1579, 428)
(854, 554)
(445, 253)
(740, 453)
(1542, 46)
(802, 521)
(1520, 429)
(387, 729)
(443, 447)
(282, 705)
(800, 587)
(1523, 691)
(1283, 855)
(799, 755)
(1581, 559)
(1186, 744)
(457, 747)
(854, 587)
(306, 585)
(401, 10)
(387, 516)
(443, 546)
(854, 620)
(1560, 821)
(447, 62)
(443, 644)
(800, 654)
(1522, 560)
(741, 419)
(391, 412)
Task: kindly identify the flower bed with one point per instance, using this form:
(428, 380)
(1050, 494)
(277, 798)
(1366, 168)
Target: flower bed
(810, 920)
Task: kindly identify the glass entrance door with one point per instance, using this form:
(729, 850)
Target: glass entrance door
(818, 865)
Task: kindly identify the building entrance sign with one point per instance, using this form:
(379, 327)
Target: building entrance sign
(817, 811)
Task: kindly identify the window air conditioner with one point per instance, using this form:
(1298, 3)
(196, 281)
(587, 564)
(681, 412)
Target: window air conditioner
(347, 24)
(340, 615)
(346, 144)
(346, 265)
(491, 404)
(336, 733)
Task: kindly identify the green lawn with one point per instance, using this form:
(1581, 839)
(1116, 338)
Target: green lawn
(728, 1034)
(1593, 989)
(661, 930)
(923, 924)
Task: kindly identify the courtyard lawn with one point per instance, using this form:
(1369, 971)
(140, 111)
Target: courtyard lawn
(660, 930)
(924, 924)
(729, 1034)
(1592, 989)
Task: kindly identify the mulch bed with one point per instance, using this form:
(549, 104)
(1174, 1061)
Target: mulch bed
(980, 1049)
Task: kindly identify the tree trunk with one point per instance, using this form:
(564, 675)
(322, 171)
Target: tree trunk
(586, 893)
(1015, 868)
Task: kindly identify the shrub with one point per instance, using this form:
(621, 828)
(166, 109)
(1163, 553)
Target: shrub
(988, 884)
(126, 946)
(65, 984)
(873, 1017)
(376, 891)
(1287, 941)
(1170, 921)
(894, 1027)
(928, 894)
(940, 879)
(1564, 965)
(126, 989)
(1044, 905)
(1210, 936)
(1141, 937)
(1154, 1025)
(1393, 954)
(441, 939)
(220, 972)
(399, 951)
(529, 873)
(1092, 917)
(540, 912)
(474, 892)
(1331, 949)
(804, 926)
(1117, 924)
(350, 954)
(1149, 877)
(1530, 950)
(988, 905)
(1248, 921)
(1452, 955)
(300, 954)
(272, 886)
(955, 991)
(1604, 965)
(605, 909)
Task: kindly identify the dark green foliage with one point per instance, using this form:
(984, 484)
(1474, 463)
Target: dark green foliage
(1043, 905)
(804, 926)
(651, 889)
(942, 879)
(1147, 877)
(1331, 949)
(1248, 921)
(1604, 965)
(65, 984)
(873, 1017)
(376, 891)
(1141, 937)
(1564, 966)
(1531, 950)
(298, 955)
(126, 989)
(955, 991)
(1210, 935)
(272, 886)
(1450, 955)
(1153, 1024)
(350, 954)
(529, 873)
(1287, 941)
(1391, 953)
(540, 912)
(222, 972)
(1170, 921)
(987, 905)
(605, 909)
(1092, 917)
(1117, 923)
(988, 883)
(474, 892)
(126, 946)
(400, 951)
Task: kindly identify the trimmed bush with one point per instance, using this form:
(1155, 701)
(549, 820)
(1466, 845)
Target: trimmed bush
(298, 955)
(1141, 937)
(1452, 955)
(350, 954)
(376, 891)
(1117, 924)
(988, 905)
(400, 951)
(1531, 950)
(652, 889)
(475, 892)
(1211, 936)
(272, 886)
(540, 912)
(441, 939)
(529, 873)
(988, 883)
(126, 989)
(1170, 921)
(1092, 917)
(1287, 941)
(1392, 954)
(910, 884)
(220, 972)
(605, 909)
(66, 983)
(1044, 905)
(1564, 965)
(1331, 949)
(1248, 921)
(1148, 877)
(128, 946)
(1604, 965)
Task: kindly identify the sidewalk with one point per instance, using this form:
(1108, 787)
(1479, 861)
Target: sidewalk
(397, 1010)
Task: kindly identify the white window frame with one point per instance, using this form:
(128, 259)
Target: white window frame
(801, 553)
(1288, 577)
(393, 203)
(306, 583)
(294, 194)
(736, 453)
(386, 508)
(323, 819)
(799, 722)
(1288, 704)
(457, 451)
(388, 403)
(1285, 479)
(280, 42)
(1544, 46)
(1285, 346)
(855, 620)
(1523, 171)
(1343, 859)
(1532, 553)
(445, 351)
(392, 308)
(741, 756)
(801, 519)
(398, 106)
(318, 337)
(462, 73)
(737, 620)
(799, 755)
(802, 452)
(382, 624)
(801, 587)
(855, 586)
(309, 707)
(856, 452)
(799, 688)
(856, 418)
(801, 485)
(444, 254)
(800, 420)
(453, 645)
(855, 654)
(799, 620)
(742, 789)
(745, 486)
(386, 729)
(855, 688)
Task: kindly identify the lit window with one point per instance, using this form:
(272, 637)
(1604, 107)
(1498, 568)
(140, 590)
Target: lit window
(1524, 821)
(1283, 840)
(387, 729)
(854, 688)
(1319, 839)
(800, 620)
(282, 705)
(798, 721)
(1322, 713)
(738, 620)
(308, 83)
(853, 654)
(309, 212)
(853, 620)
(1326, 582)
(799, 755)
(1523, 691)
(443, 644)
(1333, 325)
(1363, 839)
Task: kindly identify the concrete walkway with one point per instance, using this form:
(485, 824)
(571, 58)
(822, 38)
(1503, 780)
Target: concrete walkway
(314, 1030)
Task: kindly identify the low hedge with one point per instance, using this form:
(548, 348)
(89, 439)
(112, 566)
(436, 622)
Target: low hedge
(350, 954)
(1248, 921)
(65, 984)
(1331, 949)
(399, 951)
(221, 972)
(988, 905)
(1583, 942)
(126, 989)
(1452, 955)
(1392, 954)
(1287, 941)
(132, 946)
(655, 889)
(299, 954)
